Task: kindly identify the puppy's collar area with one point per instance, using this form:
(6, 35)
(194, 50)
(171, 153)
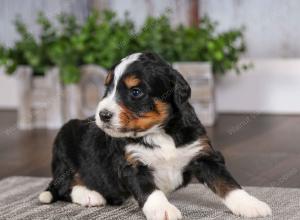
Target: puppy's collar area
(133, 134)
(148, 140)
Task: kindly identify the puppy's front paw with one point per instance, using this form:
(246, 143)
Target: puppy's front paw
(85, 197)
(157, 207)
(243, 204)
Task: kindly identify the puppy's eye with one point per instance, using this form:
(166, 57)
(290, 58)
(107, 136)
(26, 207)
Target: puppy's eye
(136, 92)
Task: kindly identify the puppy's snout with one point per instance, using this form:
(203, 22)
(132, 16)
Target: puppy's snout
(105, 115)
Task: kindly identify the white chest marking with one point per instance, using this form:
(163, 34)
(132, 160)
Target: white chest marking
(165, 159)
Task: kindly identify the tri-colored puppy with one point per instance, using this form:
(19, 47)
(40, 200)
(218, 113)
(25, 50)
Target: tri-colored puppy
(145, 141)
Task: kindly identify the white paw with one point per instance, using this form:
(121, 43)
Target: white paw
(157, 207)
(45, 197)
(85, 197)
(243, 204)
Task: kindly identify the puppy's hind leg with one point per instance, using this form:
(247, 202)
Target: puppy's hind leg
(49, 195)
(70, 188)
(83, 196)
(63, 172)
(59, 187)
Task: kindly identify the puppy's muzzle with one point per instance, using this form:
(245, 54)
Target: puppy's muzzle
(105, 115)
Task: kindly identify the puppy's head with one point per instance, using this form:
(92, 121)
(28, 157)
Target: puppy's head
(142, 93)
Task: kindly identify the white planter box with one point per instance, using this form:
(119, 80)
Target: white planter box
(201, 80)
(39, 99)
(45, 103)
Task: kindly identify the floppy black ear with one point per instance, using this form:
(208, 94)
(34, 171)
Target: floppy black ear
(182, 90)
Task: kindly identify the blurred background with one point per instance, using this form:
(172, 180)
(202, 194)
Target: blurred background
(240, 57)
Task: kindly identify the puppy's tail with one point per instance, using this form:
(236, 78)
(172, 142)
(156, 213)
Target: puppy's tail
(49, 195)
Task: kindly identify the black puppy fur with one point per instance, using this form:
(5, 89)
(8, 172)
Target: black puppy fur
(84, 153)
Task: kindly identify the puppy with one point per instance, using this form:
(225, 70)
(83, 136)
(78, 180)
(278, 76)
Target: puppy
(144, 141)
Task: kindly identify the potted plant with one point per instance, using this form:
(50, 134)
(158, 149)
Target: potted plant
(198, 53)
(30, 62)
(60, 71)
(83, 52)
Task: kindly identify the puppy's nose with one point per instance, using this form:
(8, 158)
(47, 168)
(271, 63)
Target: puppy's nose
(105, 115)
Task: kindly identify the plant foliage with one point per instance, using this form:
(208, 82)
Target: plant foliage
(202, 43)
(103, 39)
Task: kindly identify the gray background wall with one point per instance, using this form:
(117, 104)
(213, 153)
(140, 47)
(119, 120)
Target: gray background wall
(272, 26)
(28, 9)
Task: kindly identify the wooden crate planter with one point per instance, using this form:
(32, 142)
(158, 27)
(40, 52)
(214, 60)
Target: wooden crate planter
(45, 103)
(39, 99)
(201, 80)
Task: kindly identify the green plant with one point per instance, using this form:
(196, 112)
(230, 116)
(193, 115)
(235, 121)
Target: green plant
(62, 51)
(27, 50)
(158, 36)
(193, 43)
(103, 40)
(3, 55)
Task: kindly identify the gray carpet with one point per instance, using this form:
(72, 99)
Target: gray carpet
(18, 200)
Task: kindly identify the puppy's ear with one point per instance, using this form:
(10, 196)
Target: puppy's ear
(182, 90)
(109, 78)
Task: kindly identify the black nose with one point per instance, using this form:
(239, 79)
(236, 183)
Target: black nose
(105, 115)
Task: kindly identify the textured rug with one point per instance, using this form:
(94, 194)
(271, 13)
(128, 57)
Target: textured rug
(18, 200)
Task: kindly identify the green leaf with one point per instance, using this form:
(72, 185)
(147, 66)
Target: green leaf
(69, 74)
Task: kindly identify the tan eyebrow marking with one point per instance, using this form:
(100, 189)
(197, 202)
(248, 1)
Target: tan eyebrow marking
(109, 78)
(131, 81)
